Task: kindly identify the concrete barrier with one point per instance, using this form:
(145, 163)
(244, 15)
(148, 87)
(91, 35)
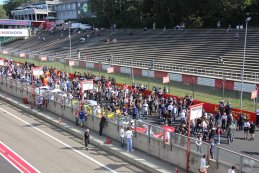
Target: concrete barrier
(170, 153)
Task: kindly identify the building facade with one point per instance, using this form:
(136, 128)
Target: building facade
(53, 10)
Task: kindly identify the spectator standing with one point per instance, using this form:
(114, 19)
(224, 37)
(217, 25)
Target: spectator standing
(212, 148)
(122, 136)
(203, 165)
(252, 130)
(198, 143)
(230, 133)
(218, 133)
(232, 169)
(246, 128)
(145, 109)
(135, 112)
(129, 136)
(102, 122)
(82, 118)
(223, 121)
(86, 138)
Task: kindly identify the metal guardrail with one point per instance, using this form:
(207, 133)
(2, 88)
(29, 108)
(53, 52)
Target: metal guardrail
(245, 164)
(252, 77)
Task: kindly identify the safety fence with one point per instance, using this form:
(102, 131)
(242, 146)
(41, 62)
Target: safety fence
(248, 76)
(169, 139)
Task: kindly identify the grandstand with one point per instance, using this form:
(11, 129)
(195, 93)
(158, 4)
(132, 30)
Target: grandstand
(190, 50)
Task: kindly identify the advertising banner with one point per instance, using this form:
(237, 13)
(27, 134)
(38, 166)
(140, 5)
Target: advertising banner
(14, 32)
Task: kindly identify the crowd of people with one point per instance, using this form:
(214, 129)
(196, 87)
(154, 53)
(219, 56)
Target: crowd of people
(135, 102)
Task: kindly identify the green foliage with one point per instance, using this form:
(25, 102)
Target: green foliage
(169, 13)
(2, 13)
(10, 5)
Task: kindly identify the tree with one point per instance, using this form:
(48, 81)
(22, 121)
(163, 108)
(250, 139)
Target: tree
(10, 5)
(2, 12)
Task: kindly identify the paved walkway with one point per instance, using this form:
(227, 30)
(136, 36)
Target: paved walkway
(139, 158)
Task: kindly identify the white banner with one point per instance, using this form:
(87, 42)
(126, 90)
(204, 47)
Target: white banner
(166, 79)
(5, 52)
(22, 55)
(43, 58)
(87, 85)
(37, 71)
(71, 63)
(14, 32)
(2, 62)
(110, 70)
(196, 111)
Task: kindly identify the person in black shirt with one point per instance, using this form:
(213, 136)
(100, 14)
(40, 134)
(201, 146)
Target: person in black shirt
(252, 130)
(86, 138)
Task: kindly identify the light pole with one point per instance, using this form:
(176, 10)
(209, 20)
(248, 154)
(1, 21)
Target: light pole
(99, 63)
(193, 87)
(69, 35)
(243, 67)
(223, 88)
(151, 67)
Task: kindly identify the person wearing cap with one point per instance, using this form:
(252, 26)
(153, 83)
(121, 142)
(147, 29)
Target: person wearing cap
(86, 138)
(232, 169)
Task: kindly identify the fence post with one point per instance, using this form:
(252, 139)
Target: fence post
(171, 141)
(164, 137)
(241, 165)
(149, 129)
(217, 157)
(135, 127)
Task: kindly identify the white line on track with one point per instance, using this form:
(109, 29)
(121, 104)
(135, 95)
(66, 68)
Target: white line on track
(59, 141)
(17, 155)
(10, 162)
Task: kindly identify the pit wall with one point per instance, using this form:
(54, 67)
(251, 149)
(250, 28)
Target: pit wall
(165, 151)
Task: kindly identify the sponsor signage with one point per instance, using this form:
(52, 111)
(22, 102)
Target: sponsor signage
(15, 22)
(14, 32)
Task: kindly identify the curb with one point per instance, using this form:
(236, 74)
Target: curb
(110, 149)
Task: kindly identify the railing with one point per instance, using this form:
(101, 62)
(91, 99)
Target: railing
(252, 77)
(244, 163)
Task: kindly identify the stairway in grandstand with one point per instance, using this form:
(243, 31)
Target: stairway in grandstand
(193, 48)
(190, 48)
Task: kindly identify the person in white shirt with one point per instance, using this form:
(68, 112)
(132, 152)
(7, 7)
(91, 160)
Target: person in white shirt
(246, 128)
(122, 136)
(232, 169)
(203, 165)
(145, 109)
(198, 143)
(129, 136)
